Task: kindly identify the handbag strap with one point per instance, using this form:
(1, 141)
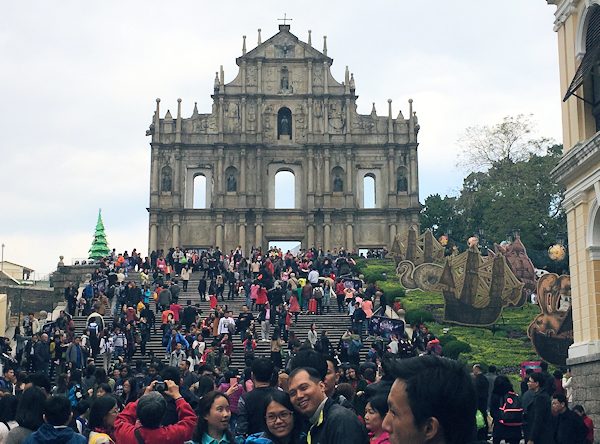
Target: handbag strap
(138, 436)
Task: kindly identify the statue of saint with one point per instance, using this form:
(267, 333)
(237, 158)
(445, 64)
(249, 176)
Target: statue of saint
(338, 184)
(285, 126)
(167, 183)
(231, 183)
(402, 184)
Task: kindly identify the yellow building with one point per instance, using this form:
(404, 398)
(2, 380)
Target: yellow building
(578, 29)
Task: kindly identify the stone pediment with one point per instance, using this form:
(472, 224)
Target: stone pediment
(284, 45)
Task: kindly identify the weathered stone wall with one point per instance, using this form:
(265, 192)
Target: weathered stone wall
(29, 299)
(586, 391)
(61, 278)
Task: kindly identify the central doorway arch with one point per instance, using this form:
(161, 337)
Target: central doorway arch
(292, 245)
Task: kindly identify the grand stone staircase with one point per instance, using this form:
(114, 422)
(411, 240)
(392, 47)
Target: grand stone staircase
(335, 323)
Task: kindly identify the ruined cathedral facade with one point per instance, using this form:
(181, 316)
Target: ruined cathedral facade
(213, 176)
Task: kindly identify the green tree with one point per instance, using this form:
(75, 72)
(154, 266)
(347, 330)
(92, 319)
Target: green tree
(99, 248)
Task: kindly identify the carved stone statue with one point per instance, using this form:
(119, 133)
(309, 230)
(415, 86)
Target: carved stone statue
(231, 183)
(402, 183)
(167, 181)
(285, 126)
(338, 184)
(285, 79)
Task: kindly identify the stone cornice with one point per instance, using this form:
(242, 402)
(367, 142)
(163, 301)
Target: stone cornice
(580, 157)
(563, 11)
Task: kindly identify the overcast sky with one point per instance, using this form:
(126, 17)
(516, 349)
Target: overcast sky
(79, 82)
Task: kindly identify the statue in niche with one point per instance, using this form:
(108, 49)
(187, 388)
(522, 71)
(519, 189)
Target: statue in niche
(402, 183)
(285, 79)
(251, 127)
(338, 184)
(166, 184)
(232, 112)
(231, 182)
(285, 126)
(336, 120)
(318, 114)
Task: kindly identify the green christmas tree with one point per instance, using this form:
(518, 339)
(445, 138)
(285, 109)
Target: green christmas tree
(99, 247)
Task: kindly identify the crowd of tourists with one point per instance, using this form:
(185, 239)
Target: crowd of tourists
(60, 385)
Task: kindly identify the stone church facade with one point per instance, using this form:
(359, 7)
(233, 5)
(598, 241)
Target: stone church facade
(284, 111)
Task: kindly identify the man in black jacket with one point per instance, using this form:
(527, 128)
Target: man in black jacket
(568, 425)
(330, 423)
(251, 404)
(538, 417)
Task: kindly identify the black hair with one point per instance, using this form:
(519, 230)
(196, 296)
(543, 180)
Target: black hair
(560, 397)
(204, 405)
(57, 410)
(150, 410)
(281, 397)
(310, 358)
(313, 374)
(544, 366)
(441, 388)
(90, 370)
(537, 377)
(262, 369)
(172, 373)
(492, 369)
(8, 408)
(100, 375)
(107, 388)
(578, 408)
(133, 391)
(379, 404)
(99, 409)
(557, 374)
(502, 385)
(41, 380)
(205, 384)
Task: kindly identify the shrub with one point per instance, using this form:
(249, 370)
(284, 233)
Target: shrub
(454, 348)
(445, 339)
(415, 317)
(392, 290)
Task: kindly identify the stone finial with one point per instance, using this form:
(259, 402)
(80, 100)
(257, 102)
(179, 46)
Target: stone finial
(309, 37)
(217, 81)
(325, 44)
(244, 44)
(400, 115)
(410, 110)
(352, 84)
(179, 108)
(222, 75)
(373, 110)
(168, 116)
(195, 112)
(390, 108)
(259, 39)
(347, 76)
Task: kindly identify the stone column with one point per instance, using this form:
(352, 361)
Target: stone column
(219, 172)
(175, 238)
(242, 234)
(177, 178)
(154, 177)
(326, 171)
(392, 234)
(349, 174)
(326, 116)
(243, 170)
(219, 236)
(259, 179)
(310, 78)
(243, 73)
(310, 184)
(414, 173)
(221, 116)
(153, 241)
(349, 238)
(259, 76)
(258, 238)
(310, 115)
(326, 236)
(243, 116)
(310, 236)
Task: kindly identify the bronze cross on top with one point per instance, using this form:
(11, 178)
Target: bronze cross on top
(284, 19)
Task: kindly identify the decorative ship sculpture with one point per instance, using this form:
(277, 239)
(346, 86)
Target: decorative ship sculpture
(520, 264)
(551, 332)
(476, 289)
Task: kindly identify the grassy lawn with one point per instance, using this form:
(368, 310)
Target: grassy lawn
(504, 344)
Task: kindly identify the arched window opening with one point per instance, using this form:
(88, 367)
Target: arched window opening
(369, 197)
(284, 124)
(166, 180)
(401, 181)
(231, 179)
(337, 178)
(199, 201)
(285, 190)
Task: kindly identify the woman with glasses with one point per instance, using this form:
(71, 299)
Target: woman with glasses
(281, 426)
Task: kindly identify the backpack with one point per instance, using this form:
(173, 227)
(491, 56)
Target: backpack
(355, 346)
(231, 328)
(92, 328)
(511, 411)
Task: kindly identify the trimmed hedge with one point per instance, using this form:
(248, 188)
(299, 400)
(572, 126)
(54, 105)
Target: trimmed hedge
(415, 317)
(454, 348)
(391, 289)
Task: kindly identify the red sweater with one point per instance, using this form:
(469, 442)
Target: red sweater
(126, 423)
